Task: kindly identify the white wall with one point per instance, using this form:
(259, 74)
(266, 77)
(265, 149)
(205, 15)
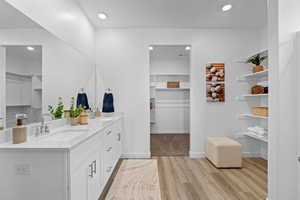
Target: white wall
(62, 18)
(165, 59)
(20, 62)
(284, 23)
(65, 70)
(122, 54)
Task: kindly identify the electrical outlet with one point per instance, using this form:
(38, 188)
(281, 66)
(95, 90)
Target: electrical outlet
(23, 169)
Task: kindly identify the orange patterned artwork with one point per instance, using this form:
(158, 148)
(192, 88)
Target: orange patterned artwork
(215, 86)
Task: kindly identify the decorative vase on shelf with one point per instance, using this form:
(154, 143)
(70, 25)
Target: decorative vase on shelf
(257, 68)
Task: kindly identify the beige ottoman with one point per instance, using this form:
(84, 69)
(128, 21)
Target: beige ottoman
(224, 152)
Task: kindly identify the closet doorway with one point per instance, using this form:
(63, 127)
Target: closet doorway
(169, 100)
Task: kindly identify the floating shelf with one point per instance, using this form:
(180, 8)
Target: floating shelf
(254, 136)
(253, 116)
(255, 95)
(254, 75)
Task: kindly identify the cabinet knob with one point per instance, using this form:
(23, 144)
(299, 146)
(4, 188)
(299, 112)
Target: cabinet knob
(109, 149)
(108, 132)
(108, 169)
(119, 136)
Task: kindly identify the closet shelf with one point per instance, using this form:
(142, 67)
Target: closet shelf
(159, 88)
(19, 105)
(253, 75)
(252, 116)
(253, 135)
(170, 74)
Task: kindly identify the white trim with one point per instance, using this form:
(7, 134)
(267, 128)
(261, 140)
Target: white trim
(251, 155)
(136, 155)
(197, 154)
(174, 132)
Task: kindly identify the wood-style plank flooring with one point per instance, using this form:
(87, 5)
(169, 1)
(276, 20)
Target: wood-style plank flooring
(170, 144)
(183, 178)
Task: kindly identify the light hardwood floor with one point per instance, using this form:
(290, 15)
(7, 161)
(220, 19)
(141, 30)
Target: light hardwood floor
(183, 178)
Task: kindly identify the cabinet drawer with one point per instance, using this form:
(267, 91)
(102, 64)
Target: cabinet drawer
(108, 136)
(82, 152)
(108, 164)
(118, 126)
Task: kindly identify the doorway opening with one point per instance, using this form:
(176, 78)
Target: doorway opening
(169, 100)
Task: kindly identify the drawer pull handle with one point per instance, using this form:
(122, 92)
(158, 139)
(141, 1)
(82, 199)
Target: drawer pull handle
(91, 171)
(94, 167)
(108, 133)
(109, 149)
(119, 136)
(108, 169)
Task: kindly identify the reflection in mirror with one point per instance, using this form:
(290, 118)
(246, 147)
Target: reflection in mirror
(23, 83)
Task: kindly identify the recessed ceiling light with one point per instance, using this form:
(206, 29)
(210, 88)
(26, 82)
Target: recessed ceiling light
(30, 48)
(150, 48)
(187, 48)
(102, 16)
(226, 7)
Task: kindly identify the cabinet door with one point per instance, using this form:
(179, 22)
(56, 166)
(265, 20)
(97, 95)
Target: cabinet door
(13, 92)
(85, 181)
(26, 93)
(79, 182)
(94, 180)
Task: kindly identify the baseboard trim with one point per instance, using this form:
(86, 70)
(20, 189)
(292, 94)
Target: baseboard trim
(197, 154)
(136, 155)
(251, 155)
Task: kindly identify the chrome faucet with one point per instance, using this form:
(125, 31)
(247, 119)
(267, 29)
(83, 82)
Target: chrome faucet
(44, 128)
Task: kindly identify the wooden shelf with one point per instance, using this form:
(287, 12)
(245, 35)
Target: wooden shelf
(253, 116)
(254, 136)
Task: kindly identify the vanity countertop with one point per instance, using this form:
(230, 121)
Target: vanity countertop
(66, 137)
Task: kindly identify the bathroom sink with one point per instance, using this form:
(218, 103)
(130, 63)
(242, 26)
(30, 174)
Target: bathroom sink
(64, 135)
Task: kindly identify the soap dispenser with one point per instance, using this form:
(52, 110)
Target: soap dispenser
(19, 133)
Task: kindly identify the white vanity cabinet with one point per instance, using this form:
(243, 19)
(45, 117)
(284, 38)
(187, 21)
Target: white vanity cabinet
(77, 173)
(92, 163)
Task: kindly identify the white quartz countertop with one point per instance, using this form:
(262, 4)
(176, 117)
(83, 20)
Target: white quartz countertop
(65, 137)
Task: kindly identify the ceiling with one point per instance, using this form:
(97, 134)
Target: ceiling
(12, 18)
(23, 53)
(176, 13)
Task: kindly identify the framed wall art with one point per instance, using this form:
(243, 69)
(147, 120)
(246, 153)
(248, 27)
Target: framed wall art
(215, 82)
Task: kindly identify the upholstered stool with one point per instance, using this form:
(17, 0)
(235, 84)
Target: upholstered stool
(224, 152)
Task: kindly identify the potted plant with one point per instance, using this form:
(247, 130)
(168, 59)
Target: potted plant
(257, 60)
(57, 111)
(75, 112)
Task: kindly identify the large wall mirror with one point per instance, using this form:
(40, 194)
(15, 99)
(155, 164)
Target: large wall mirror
(23, 77)
(37, 68)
